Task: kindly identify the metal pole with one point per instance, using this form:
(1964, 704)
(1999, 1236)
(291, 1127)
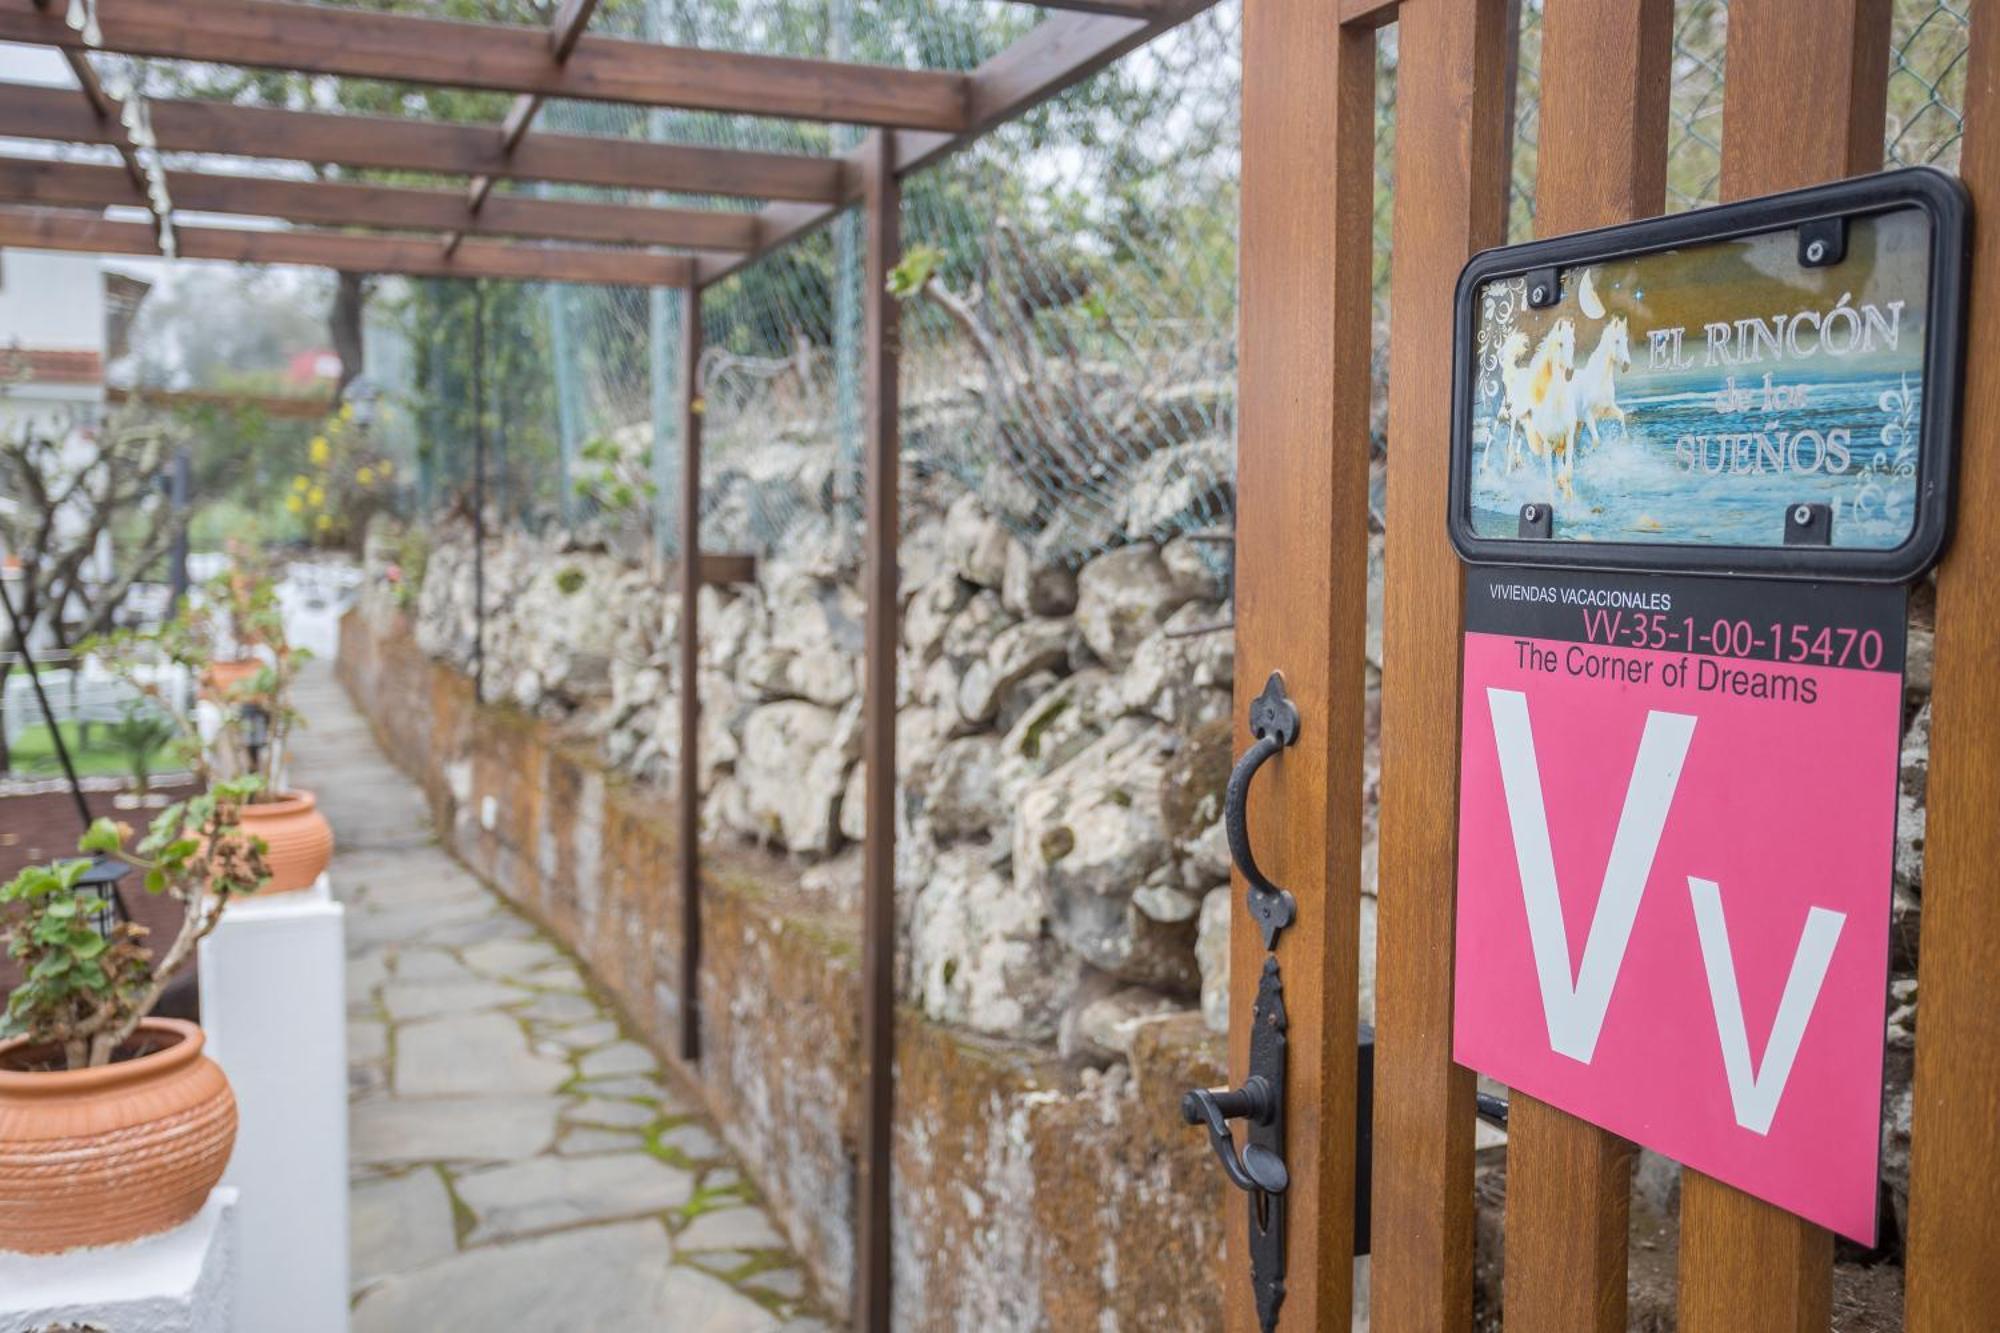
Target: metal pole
(882, 200)
(688, 798)
(48, 713)
(563, 350)
(479, 491)
(659, 365)
(178, 486)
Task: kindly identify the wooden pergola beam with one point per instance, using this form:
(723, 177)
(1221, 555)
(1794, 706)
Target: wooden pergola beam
(393, 144)
(299, 408)
(1131, 9)
(381, 207)
(106, 112)
(351, 43)
(1055, 54)
(568, 25)
(60, 229)
(571, 17)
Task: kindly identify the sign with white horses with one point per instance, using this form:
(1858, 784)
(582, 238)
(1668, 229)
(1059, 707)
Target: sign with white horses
(1666, 395)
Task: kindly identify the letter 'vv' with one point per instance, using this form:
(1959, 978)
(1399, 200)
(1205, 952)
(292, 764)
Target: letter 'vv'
(1575, 1010)
(1754, 1096)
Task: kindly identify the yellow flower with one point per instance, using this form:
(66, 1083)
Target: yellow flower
(347, 411)
(294, 504)
(386, 468)
(323, 522)
(299, 484)
(365, 475)
(316, 497)
(319, 450)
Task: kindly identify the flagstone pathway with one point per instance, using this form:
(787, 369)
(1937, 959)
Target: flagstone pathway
(517, 1162)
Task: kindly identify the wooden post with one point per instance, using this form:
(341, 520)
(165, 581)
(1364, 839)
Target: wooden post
(687, 808)
(478, 491)
(1744, 1263)
(1954, 1235)
(1301, 608)
(1451, 190)
(1603, 160)
(882, 202)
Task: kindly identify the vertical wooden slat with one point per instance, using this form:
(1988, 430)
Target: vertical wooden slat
(1301, 605)
(478, 492)
(1954, 1231)
(687, 808)
(1603, 160)
(1451, 165)
(882, 200)
(1822, 127)
(1743, 1263)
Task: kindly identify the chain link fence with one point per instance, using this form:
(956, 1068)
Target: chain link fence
(1069, 288)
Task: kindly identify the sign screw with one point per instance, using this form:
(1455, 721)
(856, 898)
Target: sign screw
(1802, 515)
(1537, 296)
(1815, 252)
(1531, 513)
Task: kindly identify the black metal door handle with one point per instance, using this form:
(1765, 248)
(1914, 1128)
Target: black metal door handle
(1274, 721)
(1257, 1167)
(1259, 1170)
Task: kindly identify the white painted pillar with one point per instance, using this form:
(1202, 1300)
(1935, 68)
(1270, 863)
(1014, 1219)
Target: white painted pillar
(274, 1008)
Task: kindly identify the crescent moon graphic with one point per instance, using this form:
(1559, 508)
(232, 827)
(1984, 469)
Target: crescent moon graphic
(1586, 296)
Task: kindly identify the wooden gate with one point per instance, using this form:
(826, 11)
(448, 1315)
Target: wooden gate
(1804, 102)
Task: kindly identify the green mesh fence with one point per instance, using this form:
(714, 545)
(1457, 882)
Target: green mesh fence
(1069, 343)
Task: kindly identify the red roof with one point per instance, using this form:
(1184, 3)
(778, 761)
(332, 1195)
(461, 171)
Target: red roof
(47, 365)
(313, 367)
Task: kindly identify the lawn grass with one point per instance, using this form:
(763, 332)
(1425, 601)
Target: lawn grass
(34, 754)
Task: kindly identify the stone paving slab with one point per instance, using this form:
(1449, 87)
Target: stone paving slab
(546, 1193)
(400, 1222)
(471, 1054)
(442, 1129)
(517, 1161)
(607, 1278)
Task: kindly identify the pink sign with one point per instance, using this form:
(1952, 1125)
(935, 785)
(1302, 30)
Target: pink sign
(1676, 830)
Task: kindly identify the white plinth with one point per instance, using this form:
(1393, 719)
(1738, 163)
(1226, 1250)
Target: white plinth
(274, 1007)
(180, 1281)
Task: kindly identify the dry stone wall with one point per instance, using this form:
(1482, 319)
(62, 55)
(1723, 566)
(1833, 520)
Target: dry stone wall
(1062, 738)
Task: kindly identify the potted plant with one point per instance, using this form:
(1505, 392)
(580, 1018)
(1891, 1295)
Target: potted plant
(113, 1124)
(258, 720)
(252, 713)
(140, 734)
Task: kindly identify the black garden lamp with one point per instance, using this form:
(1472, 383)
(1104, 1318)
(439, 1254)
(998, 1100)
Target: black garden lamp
(102, 879)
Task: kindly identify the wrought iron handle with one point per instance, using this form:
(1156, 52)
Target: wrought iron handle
(1274, 721)
(1257, 1167)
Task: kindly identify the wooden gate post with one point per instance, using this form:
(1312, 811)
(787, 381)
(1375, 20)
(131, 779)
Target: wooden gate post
(882, 198)
(1301, 604)
(1451, 171)
(687, 807)
(1743, 1262)
(1954, 1238)
(1603, 159)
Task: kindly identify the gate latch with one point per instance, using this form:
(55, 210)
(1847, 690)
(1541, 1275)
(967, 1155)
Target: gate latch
(1259, 1169)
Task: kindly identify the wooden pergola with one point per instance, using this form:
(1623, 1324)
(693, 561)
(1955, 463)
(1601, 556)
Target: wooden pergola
(917, 116)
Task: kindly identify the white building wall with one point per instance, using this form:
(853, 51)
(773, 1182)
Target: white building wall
(51, 300)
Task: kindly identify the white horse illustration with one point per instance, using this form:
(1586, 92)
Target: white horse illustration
(1594, 389)
(1547, 413)
(1513, 396)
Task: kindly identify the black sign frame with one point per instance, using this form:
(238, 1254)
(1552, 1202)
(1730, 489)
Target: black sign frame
(1945, 202)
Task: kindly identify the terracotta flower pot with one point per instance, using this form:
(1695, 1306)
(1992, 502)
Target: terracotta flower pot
(102, 1156)
(221, 677)
(299, 839)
